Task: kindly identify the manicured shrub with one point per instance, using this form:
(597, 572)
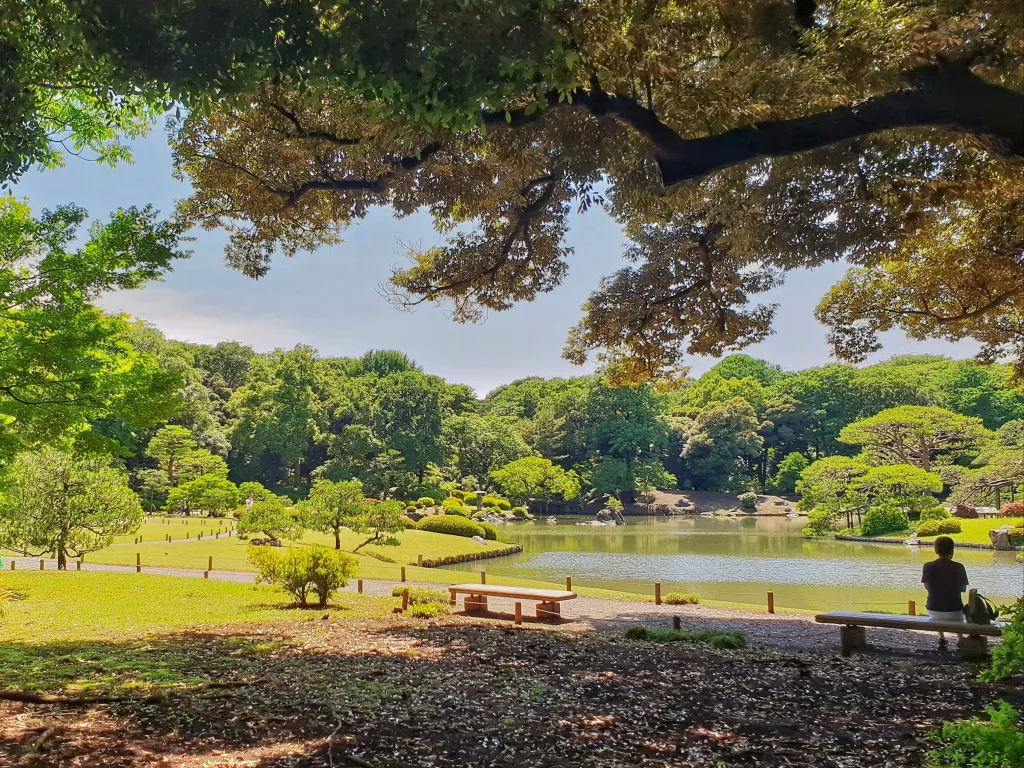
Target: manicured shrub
(821, 521)
(938, 527)
(453, 525)
(1017, 536)
(304, 571)
(883, 519)
(411, 508)
(748, 500)
(417, 504)
(429, 610)
(493, 501)
(681, 598)
(469, 497)
(521, 512)
(1008, 656)
(453, 506)
(432, 492)
(426, 501)
(1012, 509)
(938, 512)
(407, 522)
(490, 532)
(733, 640)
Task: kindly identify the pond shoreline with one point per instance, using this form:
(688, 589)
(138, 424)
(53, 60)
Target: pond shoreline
(892, 540)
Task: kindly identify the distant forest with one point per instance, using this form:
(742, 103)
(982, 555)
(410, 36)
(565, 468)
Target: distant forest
(285, 418)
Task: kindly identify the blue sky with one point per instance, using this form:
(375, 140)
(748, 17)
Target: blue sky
(329, 298)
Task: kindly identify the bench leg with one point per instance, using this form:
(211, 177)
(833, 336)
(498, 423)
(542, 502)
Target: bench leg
(476, 604)
(549, 610)
(850, 639)
(973, 646)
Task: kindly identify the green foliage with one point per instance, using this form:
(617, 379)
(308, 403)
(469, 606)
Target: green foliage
(55, 501)
(254, 489)
(271, 517)
(453, 506)
(67, 370)
(152, 487)
(1008, 656)
(935, 512)
(977, 743)
(681, 598)
(789, 472)
(536, 478)
(748, 500)
(410, 508)
(453, 525)
(521, 512)
(914, 434)
(491, 501)
(724, 640)
(332, 506)
(490, 532)
(938, 527)
(429, 610)
(425, 501)
(384, 522)
(883, 519)
(207, 493)
(423, 595)
(718, 441)
(302, 571)
(407, 522)
(1017, 536)
(822, 520)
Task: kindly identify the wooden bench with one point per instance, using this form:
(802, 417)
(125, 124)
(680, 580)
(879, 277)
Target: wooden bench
(549, 601)
(851, 629)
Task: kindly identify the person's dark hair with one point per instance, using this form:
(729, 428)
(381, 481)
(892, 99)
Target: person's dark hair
(944, 546)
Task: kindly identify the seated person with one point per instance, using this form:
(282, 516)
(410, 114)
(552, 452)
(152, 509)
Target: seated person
(946, 580)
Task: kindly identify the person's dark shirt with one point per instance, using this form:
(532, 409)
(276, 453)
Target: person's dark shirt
(945, 581)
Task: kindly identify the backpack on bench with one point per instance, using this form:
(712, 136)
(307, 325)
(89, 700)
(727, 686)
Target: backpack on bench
(980, 610)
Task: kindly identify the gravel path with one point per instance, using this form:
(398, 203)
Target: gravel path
(780, 631)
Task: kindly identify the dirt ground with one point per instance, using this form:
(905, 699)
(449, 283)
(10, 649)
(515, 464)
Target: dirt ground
(457, 692)
(695, 502)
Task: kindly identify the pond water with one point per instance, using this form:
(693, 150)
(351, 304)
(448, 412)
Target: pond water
(739, 560)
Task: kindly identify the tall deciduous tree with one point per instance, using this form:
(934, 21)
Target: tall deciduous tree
(64, 365)
(170, 445)
(55, 501)
(482, 443)
(534, 477)
(913, 434)
(720, 442)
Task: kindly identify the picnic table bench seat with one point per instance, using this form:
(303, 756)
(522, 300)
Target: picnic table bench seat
(851, 629)
(549, 601)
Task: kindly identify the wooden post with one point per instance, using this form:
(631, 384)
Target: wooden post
(676, 624)
(911, 608)
(216, 535)
(405, 600)
(206, 574)
(568, 583)
(42, 565)
(483, 577)
(419, 559)
(359, 586)
(14, 565)
(209, 566)
(186, 534)
(771, 602)
(519, 613)
(657, 593)
(140, 538)
(403, 573)
(138, 562)
(78, 565)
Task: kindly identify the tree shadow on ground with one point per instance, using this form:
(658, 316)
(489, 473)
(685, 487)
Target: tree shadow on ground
(455, 693)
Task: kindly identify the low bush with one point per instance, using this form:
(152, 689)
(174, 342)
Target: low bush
(681, 598)
(748, 500)
(821, 521)
(938, 527)
(1008, 656)
(418, 504)
(429, 494)
(494, 501)
(938, 512)
(490, 532)
(303, 572)
(429, 610)
(733, 640)
(453, 525)
(994, 743)
(453, 505)
(1017, 536)
(883, 519)
(1012, 509)
(522, 513)
(469, 497)
(423, 595)
(411, 508)
(426, 501)
(407, 522)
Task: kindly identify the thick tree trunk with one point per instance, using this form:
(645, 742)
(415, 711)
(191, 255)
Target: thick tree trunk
(298, 472)
(337, 539)
(62, 557)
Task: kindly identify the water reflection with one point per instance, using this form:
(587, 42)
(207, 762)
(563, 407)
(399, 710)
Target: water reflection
(739, 559)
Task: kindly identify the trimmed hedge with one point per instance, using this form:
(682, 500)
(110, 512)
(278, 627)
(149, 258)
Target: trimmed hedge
(407, 522)
(494, 501)
(937, 512)
(938, 527)
(1012, 509)
(490, 532)
(1017, 536)
(453, 525)
(521, 512)
(426, 501)
(884, 519)
(453, 506)
(468, 557)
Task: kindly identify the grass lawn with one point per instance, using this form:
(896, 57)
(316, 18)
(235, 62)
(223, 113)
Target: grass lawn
(976, 531)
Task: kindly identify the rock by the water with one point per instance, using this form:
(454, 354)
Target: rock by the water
(492, 518)
(1000, 537)
(611, 517)
(479, 540)
(594, 522)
